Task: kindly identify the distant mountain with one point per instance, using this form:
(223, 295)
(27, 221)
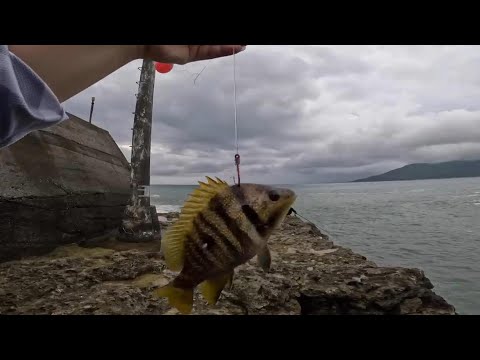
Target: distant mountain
(443, 170)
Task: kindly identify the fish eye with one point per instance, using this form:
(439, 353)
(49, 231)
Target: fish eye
(273, 195)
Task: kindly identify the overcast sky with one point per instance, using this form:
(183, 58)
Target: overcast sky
(306, 114)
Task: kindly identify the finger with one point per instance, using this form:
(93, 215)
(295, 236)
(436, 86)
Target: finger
(216, 51)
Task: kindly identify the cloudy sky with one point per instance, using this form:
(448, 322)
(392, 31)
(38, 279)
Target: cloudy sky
(306, 114)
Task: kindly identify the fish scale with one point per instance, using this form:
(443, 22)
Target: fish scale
(232, 223)
(214, 222)
(215, 233)
(220, 243)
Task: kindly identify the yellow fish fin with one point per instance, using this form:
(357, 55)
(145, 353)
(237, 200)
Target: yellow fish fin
(173, 242)
(221, 181)
(181, 299)
(212, 288)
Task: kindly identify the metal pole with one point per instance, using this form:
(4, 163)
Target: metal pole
(91, 109)
(140, 221)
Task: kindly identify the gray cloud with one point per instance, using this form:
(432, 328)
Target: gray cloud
(305, 113)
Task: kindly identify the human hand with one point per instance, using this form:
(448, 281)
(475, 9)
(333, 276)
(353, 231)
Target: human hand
(183, 54)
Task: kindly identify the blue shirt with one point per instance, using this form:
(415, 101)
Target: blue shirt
(26, 102)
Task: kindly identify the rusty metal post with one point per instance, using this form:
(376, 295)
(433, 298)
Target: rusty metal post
(140, 222)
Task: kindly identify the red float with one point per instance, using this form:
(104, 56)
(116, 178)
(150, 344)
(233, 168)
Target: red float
(163, 68)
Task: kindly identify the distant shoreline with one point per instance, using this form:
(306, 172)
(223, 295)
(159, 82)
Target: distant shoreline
(456, 169)
(388, 180)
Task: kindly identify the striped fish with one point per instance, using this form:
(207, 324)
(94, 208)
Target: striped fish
(220, 227)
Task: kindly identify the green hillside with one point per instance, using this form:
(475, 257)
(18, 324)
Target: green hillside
(443, 170)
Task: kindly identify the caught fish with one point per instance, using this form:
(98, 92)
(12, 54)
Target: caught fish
(220, 227)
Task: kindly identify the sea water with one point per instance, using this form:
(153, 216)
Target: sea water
(433, 225)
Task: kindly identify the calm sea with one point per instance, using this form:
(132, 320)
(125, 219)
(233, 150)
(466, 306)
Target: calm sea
(433, 225)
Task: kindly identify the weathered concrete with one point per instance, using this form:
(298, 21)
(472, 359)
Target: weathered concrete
(309, 276)
(60, 185)
(140, 220)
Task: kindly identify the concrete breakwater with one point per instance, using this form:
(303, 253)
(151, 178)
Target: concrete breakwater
(60, 185)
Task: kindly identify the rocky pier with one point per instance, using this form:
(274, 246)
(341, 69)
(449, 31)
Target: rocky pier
(310, 275)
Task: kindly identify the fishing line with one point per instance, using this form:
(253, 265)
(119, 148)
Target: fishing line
(235, 100)
(196, 75)
(321, 228)
(237, 156)
(200, 73)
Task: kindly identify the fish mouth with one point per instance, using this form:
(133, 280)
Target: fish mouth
(287, 197)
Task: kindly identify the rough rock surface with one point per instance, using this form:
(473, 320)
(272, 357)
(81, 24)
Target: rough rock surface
(309, 275)
(60, 185)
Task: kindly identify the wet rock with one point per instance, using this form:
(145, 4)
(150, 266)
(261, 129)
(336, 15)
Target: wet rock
(309, 275)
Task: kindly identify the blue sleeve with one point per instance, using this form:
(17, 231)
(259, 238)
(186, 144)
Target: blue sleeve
(26, 102)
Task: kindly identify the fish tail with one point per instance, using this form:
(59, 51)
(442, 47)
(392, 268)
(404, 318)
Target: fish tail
(180, 298)
(211, 289)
